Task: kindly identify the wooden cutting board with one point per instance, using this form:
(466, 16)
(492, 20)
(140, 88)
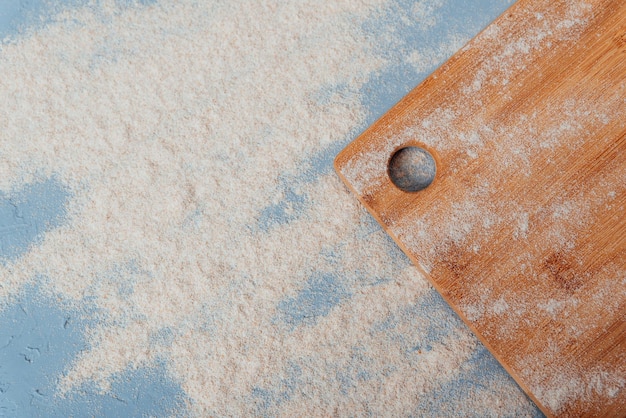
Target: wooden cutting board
(523, 230)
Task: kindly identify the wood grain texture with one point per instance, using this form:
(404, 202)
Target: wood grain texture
(523, 230)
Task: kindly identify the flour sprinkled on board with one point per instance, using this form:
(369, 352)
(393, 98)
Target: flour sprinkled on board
(522, 230)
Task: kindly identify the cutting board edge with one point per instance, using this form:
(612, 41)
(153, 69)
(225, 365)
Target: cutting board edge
(423, 272)
(365, 194)
(406, 99)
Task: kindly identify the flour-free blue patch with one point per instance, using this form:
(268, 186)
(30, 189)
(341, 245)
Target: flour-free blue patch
(17, 16)
(38, 341)
(26, 214)
(321, 293)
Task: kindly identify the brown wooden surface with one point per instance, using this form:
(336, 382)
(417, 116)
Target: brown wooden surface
(524, 229)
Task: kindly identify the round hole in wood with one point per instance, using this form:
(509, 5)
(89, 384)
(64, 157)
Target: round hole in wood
(412, 169)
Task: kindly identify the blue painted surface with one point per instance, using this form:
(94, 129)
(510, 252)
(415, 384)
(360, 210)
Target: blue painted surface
(288, 209)
(432, 321)
(461, 19)
(143, 392)
(321, 293)
(267, 401)
(475, 375)
(27, 213)
(442, 320)
(16, 16)
(38, 341)
(37, 338)
(356, 371)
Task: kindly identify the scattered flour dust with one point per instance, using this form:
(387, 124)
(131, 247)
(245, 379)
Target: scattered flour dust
(481, 211)
(172, 124)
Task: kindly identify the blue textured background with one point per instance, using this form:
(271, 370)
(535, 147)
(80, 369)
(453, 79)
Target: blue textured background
(39, 337)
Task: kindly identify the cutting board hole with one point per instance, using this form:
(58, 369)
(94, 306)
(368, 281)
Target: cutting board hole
(412, 169)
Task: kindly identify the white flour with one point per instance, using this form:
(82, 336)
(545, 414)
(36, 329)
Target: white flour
(172, 124)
